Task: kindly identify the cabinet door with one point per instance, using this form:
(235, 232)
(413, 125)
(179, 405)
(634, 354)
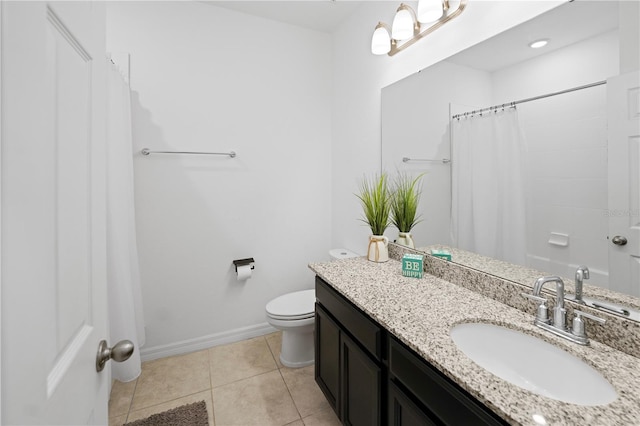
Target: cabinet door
(361, 386)
(403, 411)
(327, 352)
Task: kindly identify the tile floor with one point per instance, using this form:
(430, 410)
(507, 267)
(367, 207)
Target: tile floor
(242, 383)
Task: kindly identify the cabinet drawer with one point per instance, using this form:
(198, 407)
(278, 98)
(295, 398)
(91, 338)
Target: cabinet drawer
(446, 400)
(363, 329)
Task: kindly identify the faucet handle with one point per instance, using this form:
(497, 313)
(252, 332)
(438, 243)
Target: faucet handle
(534, 297)
(543, 312)
(578, 324)
(579, 314)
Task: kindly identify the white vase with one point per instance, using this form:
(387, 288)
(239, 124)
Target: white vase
(405, 239)
(378, 248)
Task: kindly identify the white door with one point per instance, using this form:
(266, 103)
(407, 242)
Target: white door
(53, 212)
(623, 104)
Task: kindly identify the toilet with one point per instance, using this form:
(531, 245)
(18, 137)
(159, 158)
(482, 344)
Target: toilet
(293, 313)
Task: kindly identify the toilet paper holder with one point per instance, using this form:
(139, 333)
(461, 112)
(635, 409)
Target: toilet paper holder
(243, 262)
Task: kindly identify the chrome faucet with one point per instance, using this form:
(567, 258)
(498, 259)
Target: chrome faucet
(582, 273)
(559, 313)
(577, 333)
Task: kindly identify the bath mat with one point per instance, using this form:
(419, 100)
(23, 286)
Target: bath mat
(187, 415)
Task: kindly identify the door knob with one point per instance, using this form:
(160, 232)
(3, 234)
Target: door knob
(619, 241)
(120, 352)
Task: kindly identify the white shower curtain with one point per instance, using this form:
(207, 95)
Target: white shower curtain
(123, 275)
(488, 183)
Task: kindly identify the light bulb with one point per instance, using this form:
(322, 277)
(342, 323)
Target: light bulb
(402, 27)
(381, 40)
(429, 10)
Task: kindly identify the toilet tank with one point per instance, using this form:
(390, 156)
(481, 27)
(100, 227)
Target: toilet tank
(341, 253)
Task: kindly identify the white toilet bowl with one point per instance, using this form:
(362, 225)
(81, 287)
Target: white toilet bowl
(293, 313)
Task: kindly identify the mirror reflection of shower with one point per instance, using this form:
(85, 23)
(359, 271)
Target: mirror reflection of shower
(565, 136)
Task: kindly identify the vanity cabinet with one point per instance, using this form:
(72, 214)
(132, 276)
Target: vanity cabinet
(403, 411)
(370, 378)
(348, 365)
(425, 396)
(327, 357)
(361, 385)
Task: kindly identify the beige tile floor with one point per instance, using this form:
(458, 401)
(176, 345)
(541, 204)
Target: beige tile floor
(242, 383)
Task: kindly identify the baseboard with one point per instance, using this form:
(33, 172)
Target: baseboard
(204, 342)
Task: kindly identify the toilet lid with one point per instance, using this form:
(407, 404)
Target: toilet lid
(299, 304)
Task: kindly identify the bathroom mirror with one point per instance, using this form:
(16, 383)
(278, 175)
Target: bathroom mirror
(566, 182)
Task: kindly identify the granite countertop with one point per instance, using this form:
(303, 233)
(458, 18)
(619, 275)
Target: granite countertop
(420, 312)
(528, 276)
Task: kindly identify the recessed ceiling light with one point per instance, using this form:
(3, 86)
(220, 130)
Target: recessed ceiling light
(538, 43)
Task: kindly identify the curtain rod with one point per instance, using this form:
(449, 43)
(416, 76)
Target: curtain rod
(147, 151)
(513, 104)
(443, 161)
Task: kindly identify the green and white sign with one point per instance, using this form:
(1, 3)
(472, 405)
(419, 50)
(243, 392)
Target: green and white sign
(412, 265)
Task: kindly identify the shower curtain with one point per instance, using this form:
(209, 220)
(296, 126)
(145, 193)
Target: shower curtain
(123, 275)
(488, 184)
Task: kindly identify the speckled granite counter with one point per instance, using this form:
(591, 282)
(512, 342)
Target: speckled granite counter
(420, 312)
(527, 276)
(486, 276)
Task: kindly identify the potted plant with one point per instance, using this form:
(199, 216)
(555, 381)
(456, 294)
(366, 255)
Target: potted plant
(375, 197)
(404, 206)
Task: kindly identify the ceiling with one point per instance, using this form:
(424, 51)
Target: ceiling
(319, 15)
(564, 25)
(584, 18)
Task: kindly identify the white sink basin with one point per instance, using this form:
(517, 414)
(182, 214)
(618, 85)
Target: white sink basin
(533, 364)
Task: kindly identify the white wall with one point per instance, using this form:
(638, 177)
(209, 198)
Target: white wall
(359, 76)
(265, 94)
(301, 108)
(567, 152)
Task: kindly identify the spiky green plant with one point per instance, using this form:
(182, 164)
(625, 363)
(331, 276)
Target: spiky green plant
(375, 197)
(405, 200)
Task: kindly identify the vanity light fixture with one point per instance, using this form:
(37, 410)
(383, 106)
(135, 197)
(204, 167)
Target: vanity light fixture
(539, 43)
(409, 27)
(381, 40)
(405, 25)
(430, 10)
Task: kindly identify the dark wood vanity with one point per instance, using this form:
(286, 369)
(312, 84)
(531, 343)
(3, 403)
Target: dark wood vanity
(371, 378)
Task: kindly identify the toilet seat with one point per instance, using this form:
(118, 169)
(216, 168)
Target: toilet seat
(291, 318)
(294, 306)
